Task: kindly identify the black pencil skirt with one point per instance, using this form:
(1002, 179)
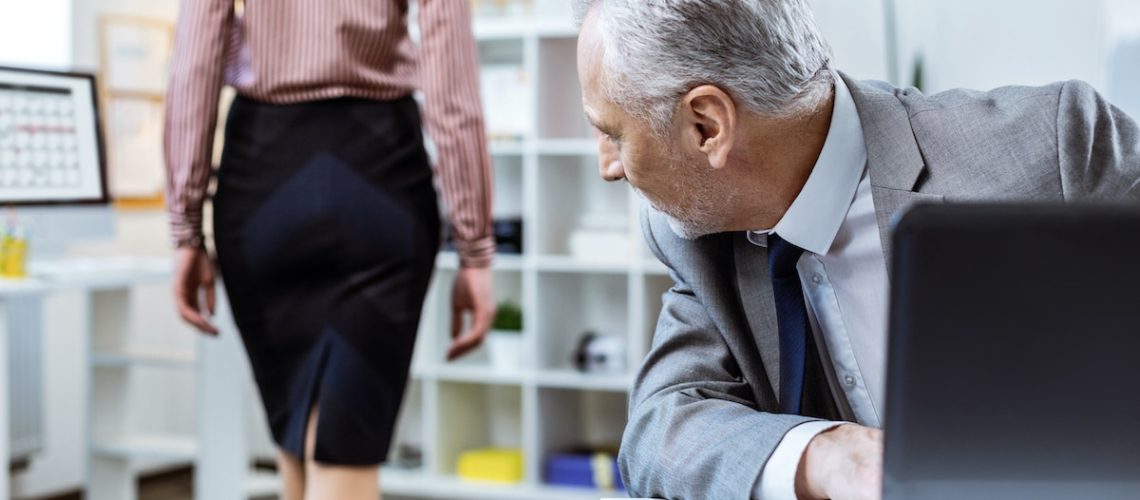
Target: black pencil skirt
(326, 227)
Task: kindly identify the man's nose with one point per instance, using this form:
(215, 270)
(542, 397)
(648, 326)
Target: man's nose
(611, 168)
(609, 160)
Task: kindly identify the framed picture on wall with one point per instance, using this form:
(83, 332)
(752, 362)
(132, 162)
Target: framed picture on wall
(135, 54)
(134, 62)
(134, 128)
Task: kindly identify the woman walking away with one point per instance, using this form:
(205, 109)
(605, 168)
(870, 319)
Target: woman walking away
(325, 220)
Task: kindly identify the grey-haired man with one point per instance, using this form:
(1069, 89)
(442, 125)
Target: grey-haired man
(772, 178)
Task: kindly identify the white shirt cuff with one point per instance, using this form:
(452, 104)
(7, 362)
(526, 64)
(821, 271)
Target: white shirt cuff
(778, 477)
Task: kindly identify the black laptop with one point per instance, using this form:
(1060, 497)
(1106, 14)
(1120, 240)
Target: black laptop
(1014, 361)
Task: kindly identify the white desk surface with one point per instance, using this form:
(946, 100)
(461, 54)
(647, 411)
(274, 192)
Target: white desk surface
(86, 273)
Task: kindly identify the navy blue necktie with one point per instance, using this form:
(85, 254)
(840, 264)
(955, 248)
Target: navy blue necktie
(791, 316)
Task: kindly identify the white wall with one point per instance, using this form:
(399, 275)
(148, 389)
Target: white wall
(31, 34)
(1123, 84)
(88, 12)
(856, 30)
(983, 44)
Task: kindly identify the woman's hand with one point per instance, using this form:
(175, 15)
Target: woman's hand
(194, 278)
(471, 294)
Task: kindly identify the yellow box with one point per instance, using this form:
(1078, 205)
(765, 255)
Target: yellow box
(494, 465)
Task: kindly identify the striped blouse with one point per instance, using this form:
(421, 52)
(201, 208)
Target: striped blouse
(285, 51)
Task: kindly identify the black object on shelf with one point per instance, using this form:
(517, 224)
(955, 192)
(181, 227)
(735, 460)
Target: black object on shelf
(407, 457)
(599, 354)
(508, 233)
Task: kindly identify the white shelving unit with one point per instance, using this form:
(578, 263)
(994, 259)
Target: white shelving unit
(550, 178)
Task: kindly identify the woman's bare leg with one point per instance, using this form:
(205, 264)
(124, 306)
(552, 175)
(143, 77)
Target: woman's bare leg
(336, 482)
(292, 471)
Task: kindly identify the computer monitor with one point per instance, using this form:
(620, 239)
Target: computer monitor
(52, 160)
(50, 144)
(1012, 366)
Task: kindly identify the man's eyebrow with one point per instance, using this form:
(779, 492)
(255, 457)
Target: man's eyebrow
(601, 127)
(590, 119)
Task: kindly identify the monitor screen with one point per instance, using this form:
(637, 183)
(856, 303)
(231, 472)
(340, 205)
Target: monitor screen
(50, 143)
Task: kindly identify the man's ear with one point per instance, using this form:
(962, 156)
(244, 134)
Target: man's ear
(708, 118)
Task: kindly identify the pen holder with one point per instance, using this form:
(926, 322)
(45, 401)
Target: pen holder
(14, 254)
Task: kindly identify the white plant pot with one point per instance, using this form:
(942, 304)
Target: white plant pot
(505, 350)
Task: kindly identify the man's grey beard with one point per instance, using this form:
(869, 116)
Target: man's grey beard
(696, 220)
(687, 229)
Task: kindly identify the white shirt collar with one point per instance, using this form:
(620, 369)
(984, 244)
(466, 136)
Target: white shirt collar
(813, 219)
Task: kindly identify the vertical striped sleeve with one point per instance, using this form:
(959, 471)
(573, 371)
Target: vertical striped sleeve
(196, 73)
(449, 73)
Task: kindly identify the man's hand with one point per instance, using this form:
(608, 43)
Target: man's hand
(194, 277)
(471, 294)
(844, 463)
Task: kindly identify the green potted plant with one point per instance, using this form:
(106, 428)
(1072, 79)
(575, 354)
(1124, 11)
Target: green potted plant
(504, 343)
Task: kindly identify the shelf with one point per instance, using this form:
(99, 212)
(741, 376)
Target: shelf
(474, 374)
(503, 262)
(143, 357)
(573, 379)
(571, 304)
(421, 485)
(142, 446)
(571, 197)
(579, 420)
(500, 29)
(567, 264)
(416, 484)
(474, 416)
(553, 378)
(506, 148)
(262, 484)
(568, 147)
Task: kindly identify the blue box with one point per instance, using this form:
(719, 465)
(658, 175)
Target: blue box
(577, 469)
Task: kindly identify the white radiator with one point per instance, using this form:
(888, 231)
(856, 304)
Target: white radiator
(25, 374)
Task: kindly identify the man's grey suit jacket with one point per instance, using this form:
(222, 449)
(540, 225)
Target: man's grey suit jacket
(702, 419)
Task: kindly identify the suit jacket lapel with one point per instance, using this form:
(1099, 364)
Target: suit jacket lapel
(890, 204)
(894, 160)
(759, 306)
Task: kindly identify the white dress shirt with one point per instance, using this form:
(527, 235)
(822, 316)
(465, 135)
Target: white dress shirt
(844, 278)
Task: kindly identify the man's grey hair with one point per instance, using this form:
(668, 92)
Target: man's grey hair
(767, 54)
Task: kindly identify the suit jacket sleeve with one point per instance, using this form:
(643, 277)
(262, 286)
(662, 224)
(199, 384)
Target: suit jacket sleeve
(1098, 146)
(694, 429)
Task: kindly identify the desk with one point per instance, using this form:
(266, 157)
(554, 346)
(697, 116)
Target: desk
(106, 284)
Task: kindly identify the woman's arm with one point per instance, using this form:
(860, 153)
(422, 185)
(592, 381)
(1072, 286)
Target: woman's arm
(454, 116)
(195, 81)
